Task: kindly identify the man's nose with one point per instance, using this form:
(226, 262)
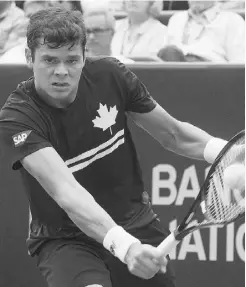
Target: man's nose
(61, 70)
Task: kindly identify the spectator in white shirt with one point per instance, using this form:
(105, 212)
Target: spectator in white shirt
(100, 24)
(13, 24)
(32, 6)
(67, 4)
(140, 34)
(16, 54)
(113, 5)
(233, 4)
(206, 33)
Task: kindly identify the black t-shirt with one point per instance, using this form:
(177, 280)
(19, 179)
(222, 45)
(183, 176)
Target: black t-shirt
(91, 136)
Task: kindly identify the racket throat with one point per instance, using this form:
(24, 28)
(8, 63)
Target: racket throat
(168, 244)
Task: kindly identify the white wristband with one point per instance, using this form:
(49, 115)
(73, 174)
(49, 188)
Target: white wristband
(213, 148)
(118, 241)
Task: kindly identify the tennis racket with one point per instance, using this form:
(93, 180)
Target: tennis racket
(216, 203)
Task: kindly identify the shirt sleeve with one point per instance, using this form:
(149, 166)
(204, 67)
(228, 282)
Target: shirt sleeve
(138, 99)
(20, 135)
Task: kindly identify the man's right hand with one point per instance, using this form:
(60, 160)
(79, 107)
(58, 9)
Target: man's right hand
(145, 260)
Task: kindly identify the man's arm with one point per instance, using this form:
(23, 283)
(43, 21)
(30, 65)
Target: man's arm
(54, 176)
(176, 136)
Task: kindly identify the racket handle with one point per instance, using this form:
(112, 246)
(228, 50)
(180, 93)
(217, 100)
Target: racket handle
(167, 244)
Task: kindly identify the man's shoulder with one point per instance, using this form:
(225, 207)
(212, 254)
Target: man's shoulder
(231, 17)
(19, 103)
(103, 65)
(101, 60)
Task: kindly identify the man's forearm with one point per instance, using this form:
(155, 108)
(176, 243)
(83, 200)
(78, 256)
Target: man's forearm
(87, 214)
(193, 142)
(95, 222)
(53, 175)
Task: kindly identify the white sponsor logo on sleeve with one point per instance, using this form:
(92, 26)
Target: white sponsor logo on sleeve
(20, 138)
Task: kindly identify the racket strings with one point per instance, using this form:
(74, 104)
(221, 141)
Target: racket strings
(221, 206)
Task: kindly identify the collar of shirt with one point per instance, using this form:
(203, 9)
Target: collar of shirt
(141, 29)
(206, 17)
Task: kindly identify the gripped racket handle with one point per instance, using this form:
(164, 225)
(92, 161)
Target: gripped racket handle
(167, 244)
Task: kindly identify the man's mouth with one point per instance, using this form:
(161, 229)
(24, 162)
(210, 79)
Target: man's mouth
(58, 84)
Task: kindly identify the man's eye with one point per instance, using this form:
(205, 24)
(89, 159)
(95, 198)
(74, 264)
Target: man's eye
(72, 61)
(50, 61)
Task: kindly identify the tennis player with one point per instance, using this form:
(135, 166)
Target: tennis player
(65, 130)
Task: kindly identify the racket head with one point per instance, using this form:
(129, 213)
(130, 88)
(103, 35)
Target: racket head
(212, 199)
(220, 203)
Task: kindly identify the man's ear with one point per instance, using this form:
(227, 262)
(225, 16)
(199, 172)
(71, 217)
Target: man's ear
(28, 55)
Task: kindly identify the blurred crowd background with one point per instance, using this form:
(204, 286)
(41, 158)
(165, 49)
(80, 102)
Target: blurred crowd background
(140, 30)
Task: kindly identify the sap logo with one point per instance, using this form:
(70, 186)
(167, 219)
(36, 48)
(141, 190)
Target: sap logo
(20, 138)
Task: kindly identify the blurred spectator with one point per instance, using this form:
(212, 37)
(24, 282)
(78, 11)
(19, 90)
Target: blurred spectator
(206, 33)
(16, 55)
(139, 34)
(116, 5)
(232, 4)
(113, 5)
(95, 4)
(13, 24)
(100, 24)
(73, 5)
(32, 6)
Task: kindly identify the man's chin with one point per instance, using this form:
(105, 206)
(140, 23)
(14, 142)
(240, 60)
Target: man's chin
(61, 88)
(57, 94)
(94, 52)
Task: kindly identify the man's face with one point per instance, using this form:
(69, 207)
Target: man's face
(31, 8)
(99, 35)
(137, 6)
(63, 3)
(200, 6)
(57, 73)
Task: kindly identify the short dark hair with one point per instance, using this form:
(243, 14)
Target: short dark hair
(56, 27)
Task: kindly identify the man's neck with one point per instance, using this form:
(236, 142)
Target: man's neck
(104, 51)
(137, 20)
(56, 103)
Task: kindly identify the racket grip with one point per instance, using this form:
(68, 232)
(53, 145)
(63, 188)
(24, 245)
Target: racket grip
(167, 244)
